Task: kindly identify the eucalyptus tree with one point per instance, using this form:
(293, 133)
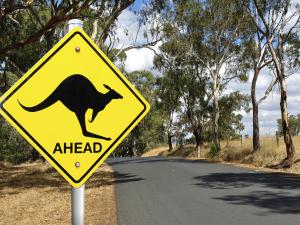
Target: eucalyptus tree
(195, 107)
(213, 28)
(202, 42)
(186, 80)
(168, 104)
(256, 57)
(278, 22)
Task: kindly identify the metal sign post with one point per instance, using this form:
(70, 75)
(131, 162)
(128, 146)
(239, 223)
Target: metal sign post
(78, 205)
(77, 193)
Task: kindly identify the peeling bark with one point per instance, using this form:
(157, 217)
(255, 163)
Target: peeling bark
(170, 136)
(256, 140)
(216, 110)
(280, 73)
(199, 141)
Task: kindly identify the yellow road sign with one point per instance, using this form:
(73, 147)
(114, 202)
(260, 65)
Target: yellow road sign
(74, 106)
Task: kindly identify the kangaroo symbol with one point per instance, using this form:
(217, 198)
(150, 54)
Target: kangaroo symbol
(78, 94)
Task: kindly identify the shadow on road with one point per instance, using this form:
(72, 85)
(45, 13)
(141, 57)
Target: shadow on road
(275, 202)
(242, 180)
(126, 178)
(276, 198)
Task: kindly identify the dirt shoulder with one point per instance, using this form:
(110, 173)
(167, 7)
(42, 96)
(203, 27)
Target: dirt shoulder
(35, 194)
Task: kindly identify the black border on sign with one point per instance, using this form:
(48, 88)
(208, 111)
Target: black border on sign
(36, 142)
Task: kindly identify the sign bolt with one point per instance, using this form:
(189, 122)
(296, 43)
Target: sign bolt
(77, 164)
(77, 49)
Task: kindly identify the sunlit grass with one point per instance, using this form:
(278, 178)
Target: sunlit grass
(238, 151)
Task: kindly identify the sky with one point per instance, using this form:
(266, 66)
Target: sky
(269, 111)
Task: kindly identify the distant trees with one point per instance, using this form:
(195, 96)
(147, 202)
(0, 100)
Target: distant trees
(294, 123)
(200, 45)
(231, 124)
(214, 42)
(219, 25)
(150, 131)
(168, 104)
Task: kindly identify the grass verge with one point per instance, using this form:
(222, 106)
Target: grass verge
(35, 194)
(238, 152)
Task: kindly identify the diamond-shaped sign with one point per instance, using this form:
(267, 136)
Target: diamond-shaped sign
(74, 106)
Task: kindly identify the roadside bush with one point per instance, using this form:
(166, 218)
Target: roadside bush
(13, 147)
(213, 151)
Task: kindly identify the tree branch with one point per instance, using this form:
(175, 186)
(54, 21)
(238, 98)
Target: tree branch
(62, 15)
(268, 91)
(117, 9)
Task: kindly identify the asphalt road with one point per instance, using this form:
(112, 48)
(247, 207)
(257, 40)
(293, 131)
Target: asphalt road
(160, 191)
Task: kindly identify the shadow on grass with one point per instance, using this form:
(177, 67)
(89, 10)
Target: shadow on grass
(14, 180)
(23, 177)
(276, 195)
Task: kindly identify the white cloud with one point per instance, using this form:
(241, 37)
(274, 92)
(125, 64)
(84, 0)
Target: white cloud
(130, 33)
(139, 59)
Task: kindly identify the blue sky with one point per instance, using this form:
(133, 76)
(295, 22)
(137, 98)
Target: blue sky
(137, 5)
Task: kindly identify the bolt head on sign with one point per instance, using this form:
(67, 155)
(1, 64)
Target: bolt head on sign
(74, 106)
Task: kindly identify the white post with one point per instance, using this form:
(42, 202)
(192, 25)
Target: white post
(78, 205)
(74, 23)
(77, 193)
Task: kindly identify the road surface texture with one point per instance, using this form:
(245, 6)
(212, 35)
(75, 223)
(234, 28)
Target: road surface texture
(173, 191)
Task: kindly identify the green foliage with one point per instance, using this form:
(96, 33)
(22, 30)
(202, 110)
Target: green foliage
(213, 152)
(13, 148)
(150, 131)
(230, 121)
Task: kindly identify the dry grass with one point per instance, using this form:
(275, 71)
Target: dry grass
(238, 152)
(155, 152)
(35, 194)
(269, 153)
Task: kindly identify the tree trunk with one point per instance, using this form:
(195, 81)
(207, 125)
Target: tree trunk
(255, 121)
(34, 154)
(170, 141)
(199, 142)
(280, 73)
(216, 111)
(290, 149)
(3, 81)
(130, 146)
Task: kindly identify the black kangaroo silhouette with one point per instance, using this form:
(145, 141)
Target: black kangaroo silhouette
(78, 94)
